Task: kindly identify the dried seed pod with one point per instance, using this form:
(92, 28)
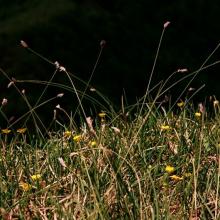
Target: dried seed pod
(23, 44)
(102, 43)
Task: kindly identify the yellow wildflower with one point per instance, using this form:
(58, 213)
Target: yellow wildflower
(67, 134)
(21, 130)
(169, 169)
(198, 114)
(36, 177)
(25, 186)
(187, 174)
(6, 131)
(102, 114)
(77, 138)
(165, 127)
(92, 143)
(176, 178)
(180, 104)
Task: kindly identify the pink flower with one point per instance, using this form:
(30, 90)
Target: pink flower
(166, 24)
(182, 70)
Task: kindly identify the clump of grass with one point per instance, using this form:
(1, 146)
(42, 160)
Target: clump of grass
(170, 169)
(145, 162)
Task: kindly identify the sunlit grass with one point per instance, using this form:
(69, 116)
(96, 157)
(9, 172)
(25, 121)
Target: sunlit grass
(166, 172)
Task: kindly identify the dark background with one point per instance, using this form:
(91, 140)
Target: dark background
(69, 31)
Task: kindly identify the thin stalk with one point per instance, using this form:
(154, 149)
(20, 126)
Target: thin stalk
(152, 71)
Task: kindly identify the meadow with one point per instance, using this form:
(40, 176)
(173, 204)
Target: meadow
(156, 159)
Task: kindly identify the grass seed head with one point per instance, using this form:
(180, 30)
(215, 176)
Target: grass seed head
(4, 101)
(24, 44)
(166, 24)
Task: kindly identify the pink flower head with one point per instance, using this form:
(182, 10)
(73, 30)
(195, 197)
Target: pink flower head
(182, 70)
(166, 24)
(102, 43)
(4, 101)
(201, 108)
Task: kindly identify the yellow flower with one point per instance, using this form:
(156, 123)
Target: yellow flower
(36, 177)
(165, 127)
(198, 114)
(92, 143)
(77, 138)
(102, 114)
(25, 186)
(187, 174)
(176, 178)
(21, 130)
(6, 131)
(180, 104)
(169, 169)
(67, 134)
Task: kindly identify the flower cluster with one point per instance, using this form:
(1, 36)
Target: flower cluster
(19, 131)
(170, 170)
(26, 186)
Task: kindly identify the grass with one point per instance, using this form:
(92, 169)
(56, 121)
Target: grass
(147, 161)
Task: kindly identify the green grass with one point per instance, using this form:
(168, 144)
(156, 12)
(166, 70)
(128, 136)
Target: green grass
(116, 174)
(154, 160)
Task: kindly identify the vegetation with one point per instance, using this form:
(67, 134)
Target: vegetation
(157, 159)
